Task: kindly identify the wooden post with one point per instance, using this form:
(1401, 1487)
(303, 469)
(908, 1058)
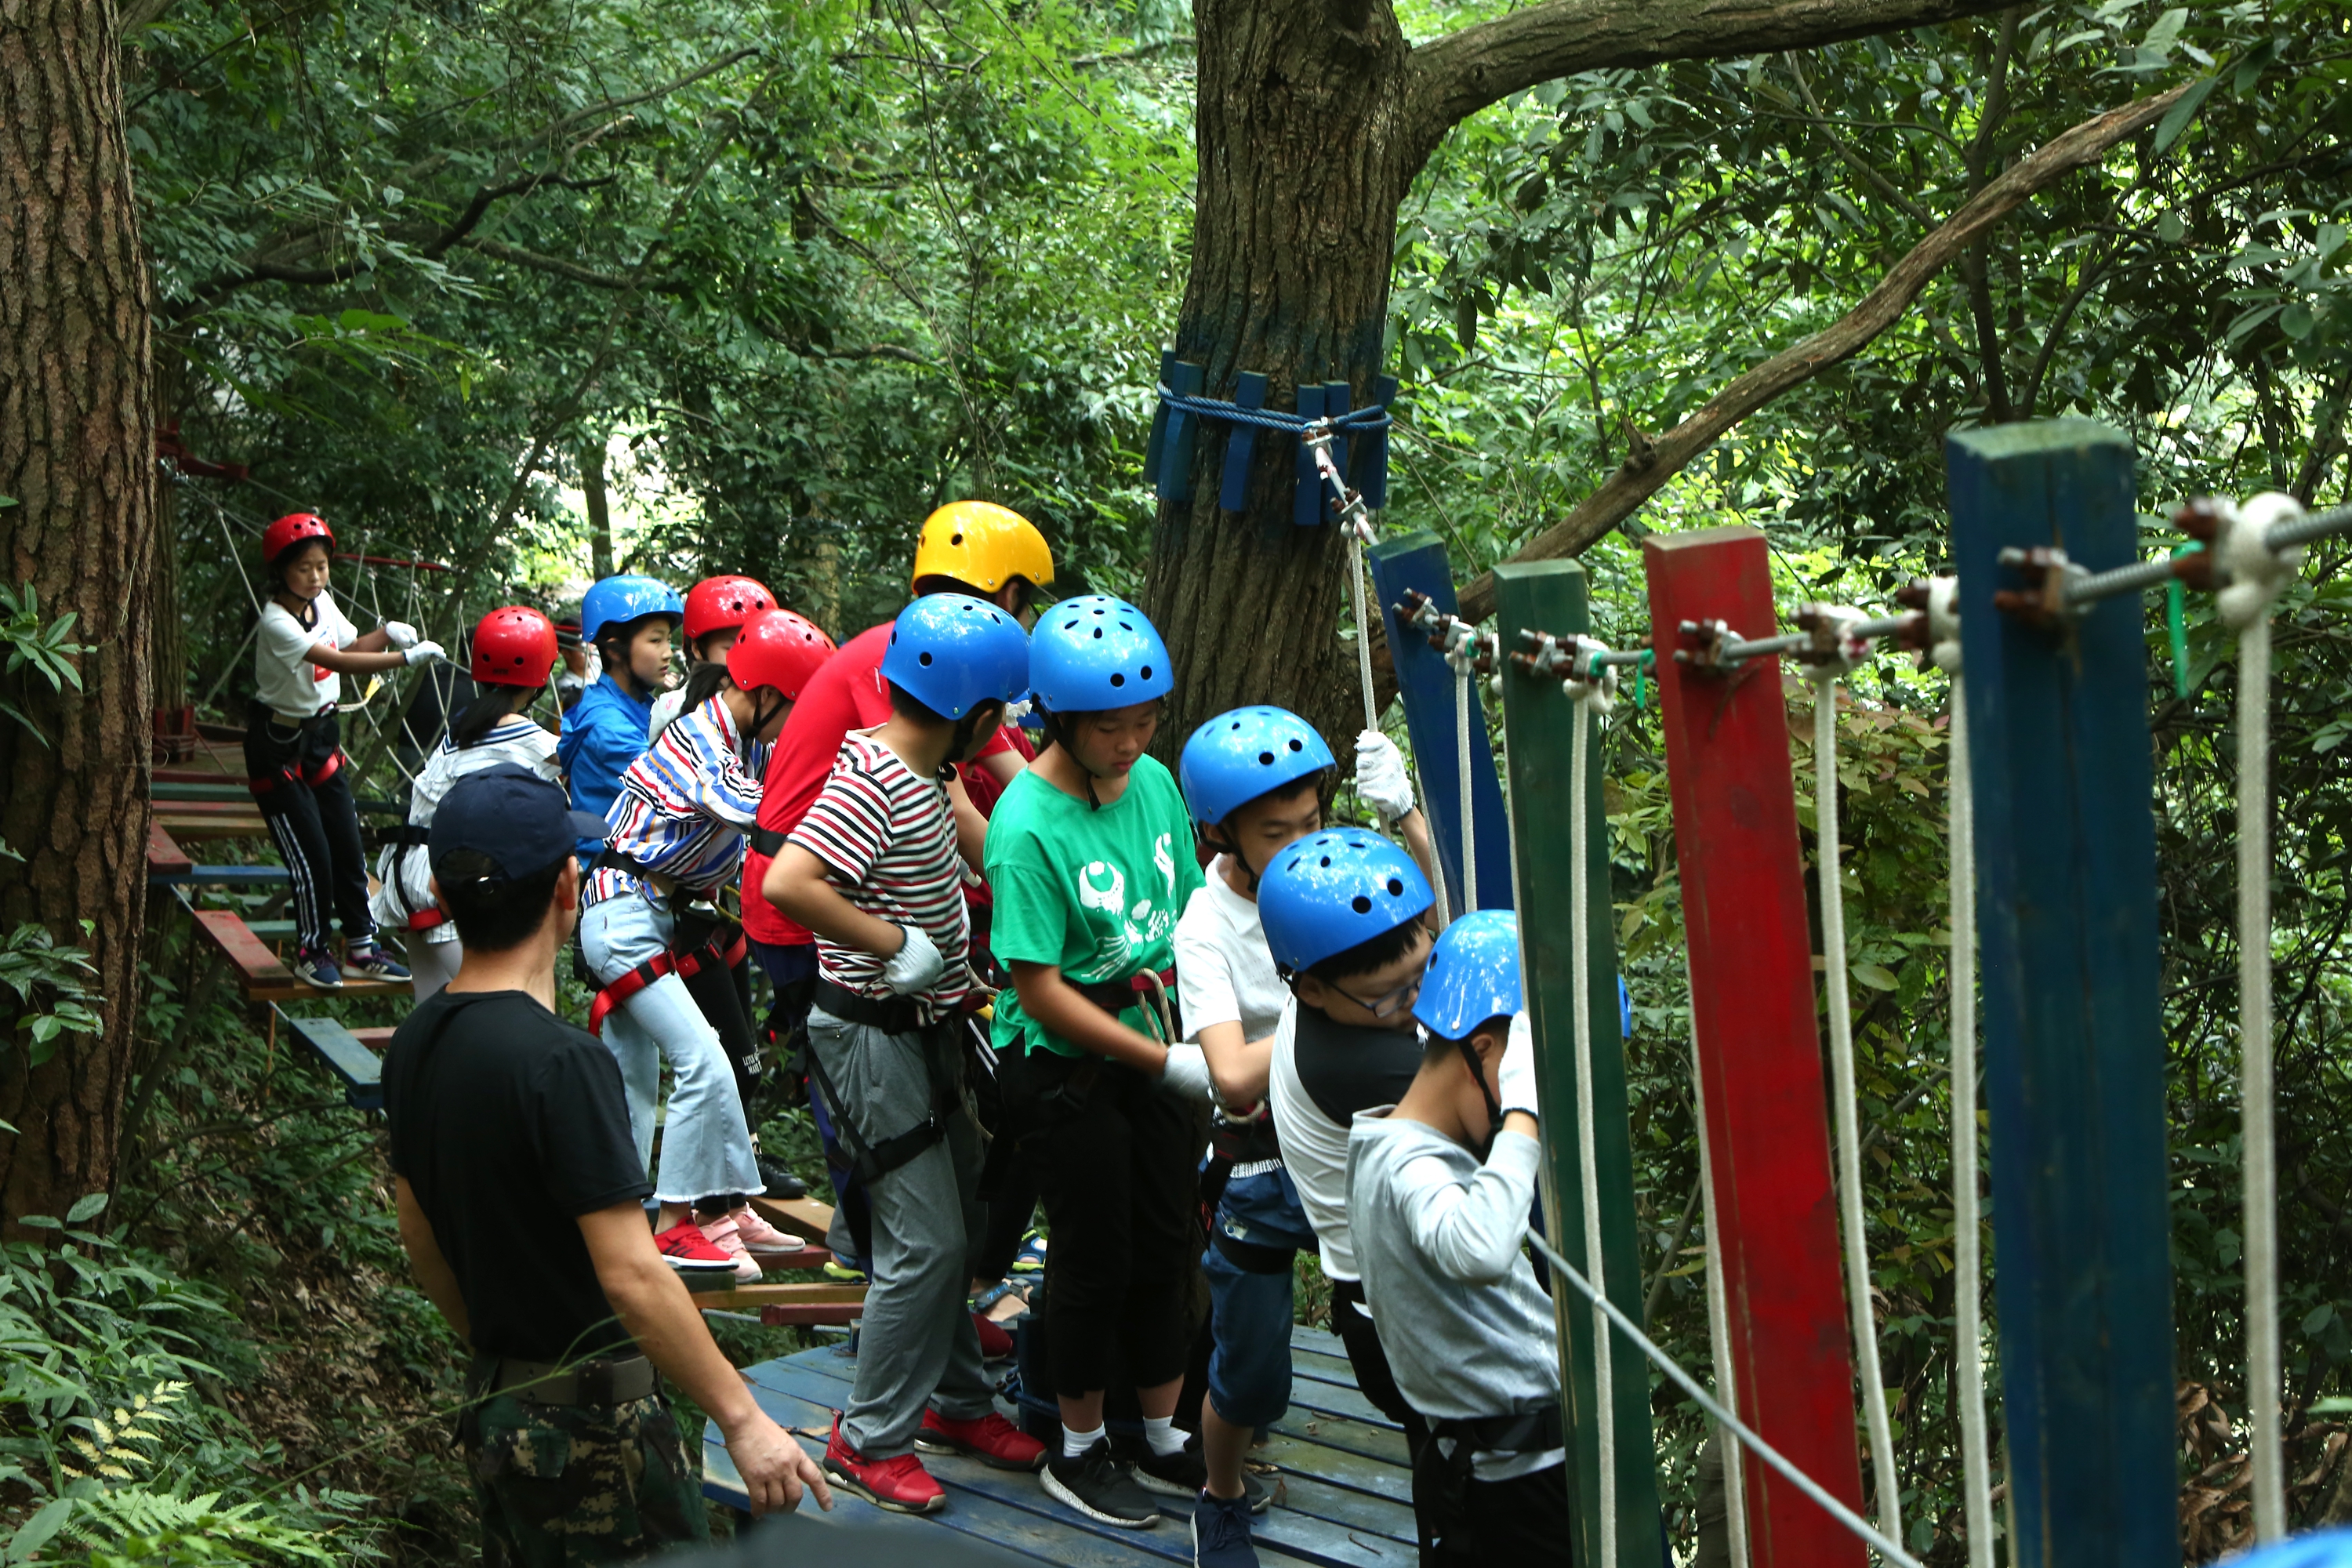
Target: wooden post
(1536, 717)
(1759, 1051)
(2073, 1043)
(1417, 560)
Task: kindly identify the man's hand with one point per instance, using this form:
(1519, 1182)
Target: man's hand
(774, 1467)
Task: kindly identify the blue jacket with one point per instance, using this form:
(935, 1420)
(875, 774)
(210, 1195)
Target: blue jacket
(603, 732)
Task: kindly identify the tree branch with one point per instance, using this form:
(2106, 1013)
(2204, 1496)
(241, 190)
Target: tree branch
(1637, 479)
(517, 256)
(1456, 75)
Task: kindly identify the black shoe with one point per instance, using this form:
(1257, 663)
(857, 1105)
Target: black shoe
(780, 1183)
(1221, 1533)
(1094, 1485)
(1181, 1474)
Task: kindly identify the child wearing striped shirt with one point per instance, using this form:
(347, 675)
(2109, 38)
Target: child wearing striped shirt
(877, 868)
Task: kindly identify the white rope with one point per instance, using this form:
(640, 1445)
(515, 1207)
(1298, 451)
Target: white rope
(1849, 1132)
(1707, 1402)
(1363, 627)
(1718, 1317)
(1586, 700)
(2255, 578)
(236, 555)
(1465, 693)
(1967, 1235)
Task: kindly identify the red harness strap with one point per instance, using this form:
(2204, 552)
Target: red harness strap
(685, 965)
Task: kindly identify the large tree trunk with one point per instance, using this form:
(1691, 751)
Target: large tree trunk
(77, 451)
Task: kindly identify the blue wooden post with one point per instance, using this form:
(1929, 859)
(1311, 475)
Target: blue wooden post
(1159, 420)
(1372, 456)
(2074, 1045)
(1176, 455)
(1417, 560)
(1249, 391)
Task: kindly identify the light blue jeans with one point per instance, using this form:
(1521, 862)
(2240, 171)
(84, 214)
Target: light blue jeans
(705, 1144)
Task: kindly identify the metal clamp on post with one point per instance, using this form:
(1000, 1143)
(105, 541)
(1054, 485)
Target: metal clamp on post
(1580, 662)
(1463, 644)
(1932, 630)
(2053, 574)
(1711, 647)
(1837, 640)
(1346, 503)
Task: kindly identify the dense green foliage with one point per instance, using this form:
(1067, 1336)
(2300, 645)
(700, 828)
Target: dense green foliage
(807, 270)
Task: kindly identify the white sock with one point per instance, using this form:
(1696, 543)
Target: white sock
(1160, 1432)
(1074, 1443)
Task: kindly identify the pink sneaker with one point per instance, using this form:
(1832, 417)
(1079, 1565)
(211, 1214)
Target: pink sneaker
(721, 1234)
(757, 1236)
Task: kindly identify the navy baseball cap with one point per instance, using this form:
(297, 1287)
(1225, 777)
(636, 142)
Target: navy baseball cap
(503, 825)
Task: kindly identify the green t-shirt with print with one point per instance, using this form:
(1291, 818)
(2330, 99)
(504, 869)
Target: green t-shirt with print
(1096, 893)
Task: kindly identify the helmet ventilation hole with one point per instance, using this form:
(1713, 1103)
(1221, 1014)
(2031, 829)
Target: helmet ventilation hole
(1146, 672)
(1327, 859)
(1117, 678)
(1396, 887)
(924, 659)
(1266, 759)
(1360, 904)
(957, 539)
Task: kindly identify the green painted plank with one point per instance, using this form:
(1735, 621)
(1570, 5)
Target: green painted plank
(1538, 726)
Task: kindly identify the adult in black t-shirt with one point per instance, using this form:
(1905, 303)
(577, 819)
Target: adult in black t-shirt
(507, 1123)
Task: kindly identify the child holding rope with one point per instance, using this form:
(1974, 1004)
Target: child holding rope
(629, 621)
(293, 746)
(877, 868)
(1088, 859)
(513, 654)
(1439, 1189)
(677, 829)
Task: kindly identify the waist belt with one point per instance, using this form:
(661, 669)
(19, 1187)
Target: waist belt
(1247, 1142)
(891, 1014)
(1118, 995)
(849, 1152)
(593, 1382)
(407, 835)
(725, 949)
(767, 841)
(1250, 1257)
(1530, 1432)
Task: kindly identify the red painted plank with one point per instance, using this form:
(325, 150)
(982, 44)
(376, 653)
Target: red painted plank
(1759, 1051)
(255, 962)
(165, 858)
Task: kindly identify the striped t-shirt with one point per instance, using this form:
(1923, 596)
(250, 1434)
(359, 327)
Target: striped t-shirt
(888, 836)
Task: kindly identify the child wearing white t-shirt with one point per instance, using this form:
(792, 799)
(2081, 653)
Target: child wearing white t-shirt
(293, 749)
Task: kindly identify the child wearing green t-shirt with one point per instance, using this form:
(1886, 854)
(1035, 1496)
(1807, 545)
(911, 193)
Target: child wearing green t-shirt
(1090, 861)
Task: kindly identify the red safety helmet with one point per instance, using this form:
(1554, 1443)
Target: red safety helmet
(716, 604)
(778, 649)
(290, 530)
(513, 646)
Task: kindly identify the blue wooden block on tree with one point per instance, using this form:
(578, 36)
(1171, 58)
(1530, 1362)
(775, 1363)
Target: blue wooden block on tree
(1306, 508)
(1417, 560)
(1176, 449)
(1241, 446)
(2073, 1043)
(1159, 420)
(1372, 456)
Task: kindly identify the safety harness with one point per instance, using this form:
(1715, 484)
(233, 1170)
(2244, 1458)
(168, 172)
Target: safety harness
(726, 949)
(1441, 1481)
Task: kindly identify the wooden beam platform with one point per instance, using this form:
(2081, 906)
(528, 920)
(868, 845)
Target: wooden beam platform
(804, 1218)
(259, 972)
(344, 1055)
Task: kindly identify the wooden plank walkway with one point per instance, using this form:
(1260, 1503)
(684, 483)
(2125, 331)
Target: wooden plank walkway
(1341, 1499)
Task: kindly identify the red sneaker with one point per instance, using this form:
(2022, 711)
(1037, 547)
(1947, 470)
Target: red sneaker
(995, 1345)
(900, 1485)
(992, 1439)
(685, 1249)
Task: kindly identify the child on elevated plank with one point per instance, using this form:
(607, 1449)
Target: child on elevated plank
(1254, 781)
(629, 621)
(877, 868)
(513, 654)
(293, 746)
(1089, 861)
(1439, 1189)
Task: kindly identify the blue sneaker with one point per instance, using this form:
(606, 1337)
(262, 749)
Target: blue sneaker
(370, 962)
(1031, 1258)
(1221, 1533)
(316, 967)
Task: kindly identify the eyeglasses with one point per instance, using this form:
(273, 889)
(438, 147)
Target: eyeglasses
(1388, 1004)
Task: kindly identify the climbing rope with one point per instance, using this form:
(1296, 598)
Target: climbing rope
(1718, 1309)
(1365, 420)
(1836, 652)
(1588, 699)
(1466, 651)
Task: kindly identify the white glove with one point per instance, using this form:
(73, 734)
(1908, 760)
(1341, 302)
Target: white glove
(424, 653)
(1016, 711)
(1187, 1073)
(1517, 1079)
(1381, 780)
(915, 965)
(400, 634)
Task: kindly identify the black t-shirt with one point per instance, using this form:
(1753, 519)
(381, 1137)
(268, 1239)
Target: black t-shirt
(1345, 1067)
(509, 1123)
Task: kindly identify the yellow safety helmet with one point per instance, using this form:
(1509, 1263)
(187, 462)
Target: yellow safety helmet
(984, 544)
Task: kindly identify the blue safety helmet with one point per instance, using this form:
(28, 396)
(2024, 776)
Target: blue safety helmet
(952, 653)
(1474, 974)
(1238, 756)
(1094, 653)
(2320, 1548)
(618, 601)
(1334, 891)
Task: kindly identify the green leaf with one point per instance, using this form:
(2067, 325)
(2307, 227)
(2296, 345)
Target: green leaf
(2295, 321)
(87, 1207)
(1876, 976)
(2176, 118)
(35, 1533)
(2169, 228)
(42, 1222)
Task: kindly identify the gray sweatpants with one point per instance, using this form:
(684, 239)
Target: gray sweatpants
(917, 1344)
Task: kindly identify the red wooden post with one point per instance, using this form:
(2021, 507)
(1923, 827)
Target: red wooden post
(1751, 978)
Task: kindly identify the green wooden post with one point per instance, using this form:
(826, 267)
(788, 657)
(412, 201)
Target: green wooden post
(1549, 595)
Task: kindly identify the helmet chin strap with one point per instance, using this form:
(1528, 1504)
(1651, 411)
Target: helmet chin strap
(1057, 731)
(749, 738)
(1485, 1091)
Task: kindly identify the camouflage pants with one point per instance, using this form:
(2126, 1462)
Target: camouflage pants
(559, 1485)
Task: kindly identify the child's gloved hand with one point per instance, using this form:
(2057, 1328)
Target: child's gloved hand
(1517, 1086)
(423, 653)
(1187, 1073)
(1381, 779)
(915, 965)
(400, 634)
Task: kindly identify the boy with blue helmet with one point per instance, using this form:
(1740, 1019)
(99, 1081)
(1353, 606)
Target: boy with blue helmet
(877, 868)
(1090, 861)
(630, 621)
(1468, 1331)
(1252, 778)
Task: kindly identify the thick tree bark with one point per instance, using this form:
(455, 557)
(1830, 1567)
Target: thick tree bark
(1313, 117)
(77, 451)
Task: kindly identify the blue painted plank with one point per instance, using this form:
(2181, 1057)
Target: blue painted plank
(1241, 443)
(360, 1070)
(2074, 1040)
(222, 877)
(1372, 457)
(1159, 420)
(1417, 560)
(1176, 458)
(1306, 508)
